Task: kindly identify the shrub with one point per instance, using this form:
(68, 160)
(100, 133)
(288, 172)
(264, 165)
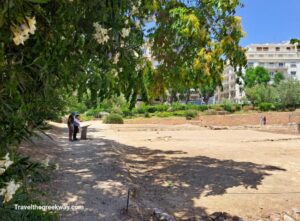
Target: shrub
(116, 110)
(94, 112)
(140, 109)
(238, 107)
(147, 115)
(265, 106)
(228, 108)
(210, 112)
(180, 113)
(247, 108)
(217, 108)
(178, 106)
(161, 107)
(126, 112)
(113, 119)
(151, 109)
(202, 107)
(278, 107)
(189, 114)
(85, 118)
(192, 107)
(164, 114)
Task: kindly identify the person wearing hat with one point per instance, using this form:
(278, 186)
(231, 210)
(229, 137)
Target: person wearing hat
(70, 123)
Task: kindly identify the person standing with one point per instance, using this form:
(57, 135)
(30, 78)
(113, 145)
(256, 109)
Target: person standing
(70, 123)
(76, 126)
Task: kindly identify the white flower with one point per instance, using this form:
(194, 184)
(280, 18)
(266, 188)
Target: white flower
(21, 33)
(4, 164)
(135, 54)
(122, 44)
(31, 23)
(8, 163)
(46, 162)
(57, 166)
(138, 67)
(114, 72)
(101, 34)
(125, 32)
(126, 22)
(116, 58)
(6, 157)
(135, 10)
(2, 171)
(9, 191)
(120, 69)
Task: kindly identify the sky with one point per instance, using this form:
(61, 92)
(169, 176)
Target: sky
(270, 21)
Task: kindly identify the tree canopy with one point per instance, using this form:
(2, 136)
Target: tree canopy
(53, 49)
(255, 76)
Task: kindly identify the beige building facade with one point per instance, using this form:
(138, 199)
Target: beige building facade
(284, 58)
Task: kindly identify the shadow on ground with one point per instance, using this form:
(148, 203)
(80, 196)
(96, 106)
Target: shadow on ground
(97, 173)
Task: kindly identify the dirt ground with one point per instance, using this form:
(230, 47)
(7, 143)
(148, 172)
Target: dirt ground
(177, 166)
(188, 169)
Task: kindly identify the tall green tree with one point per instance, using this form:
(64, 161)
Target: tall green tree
(278, 77)
(51, 49)
(256, 76)
(193, 39)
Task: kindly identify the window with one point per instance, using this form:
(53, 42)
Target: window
(259, 49)
(261, 55)
(250, 64)
(265, 49)
(281, 64)
(271, 74)
(261, 64)
(293, 65)
(271, 55)
(293, 73)
(288, 48)
(277, 48)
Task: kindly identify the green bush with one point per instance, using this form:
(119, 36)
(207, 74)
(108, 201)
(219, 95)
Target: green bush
(278, 107)
(228, 107)
(140, 109)
(151, 109)
(86, 118)
(180, 113)
(217, 107)
(178, 106)
(190, 114)
(238, 107)
(265, 106)
(210, 112)
(147, 115)
(203, 107)
(192, 107)
(94, 112)
(164, 114)
(113, 119)
(126, 112)
(161, 107)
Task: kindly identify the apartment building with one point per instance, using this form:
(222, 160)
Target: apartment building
(231, 90)
(284, 58)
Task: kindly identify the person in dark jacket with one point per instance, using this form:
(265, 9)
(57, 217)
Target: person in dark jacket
(70, 123)
(76, 127)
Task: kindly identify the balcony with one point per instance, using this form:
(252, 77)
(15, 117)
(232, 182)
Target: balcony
(271, 56)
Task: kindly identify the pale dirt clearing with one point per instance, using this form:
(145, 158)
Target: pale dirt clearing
(185, 170)
(188, 169)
